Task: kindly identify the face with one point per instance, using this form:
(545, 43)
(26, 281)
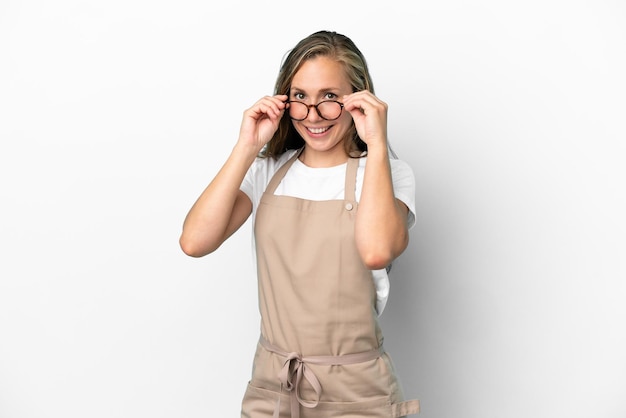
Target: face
(320, 79)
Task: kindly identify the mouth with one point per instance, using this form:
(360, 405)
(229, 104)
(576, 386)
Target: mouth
(318, 131)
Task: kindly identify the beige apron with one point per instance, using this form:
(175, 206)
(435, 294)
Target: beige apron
(320, 353)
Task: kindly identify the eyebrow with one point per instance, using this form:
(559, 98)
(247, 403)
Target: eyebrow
(324, 90)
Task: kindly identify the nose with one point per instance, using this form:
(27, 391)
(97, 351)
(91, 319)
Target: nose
(314, 114)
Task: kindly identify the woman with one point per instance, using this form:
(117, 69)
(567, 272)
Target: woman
(331, 211)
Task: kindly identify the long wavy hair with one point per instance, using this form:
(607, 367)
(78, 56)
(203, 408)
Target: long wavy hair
(328, 44)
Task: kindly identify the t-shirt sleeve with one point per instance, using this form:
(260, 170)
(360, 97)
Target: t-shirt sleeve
(259, 174)
(404, 187)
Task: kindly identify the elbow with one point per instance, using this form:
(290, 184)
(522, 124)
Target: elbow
(378, 256)
(376, 261)
(193, 248)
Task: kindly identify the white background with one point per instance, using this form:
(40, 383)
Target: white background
(510, 300)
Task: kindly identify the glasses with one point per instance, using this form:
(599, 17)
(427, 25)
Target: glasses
(328, 109)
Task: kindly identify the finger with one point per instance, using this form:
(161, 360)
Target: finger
(280, 102)
(355, 102)
(367, 107)
(357, 107)
(270, 106)
(282, 97)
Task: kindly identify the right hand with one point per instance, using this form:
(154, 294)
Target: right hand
(261, 121)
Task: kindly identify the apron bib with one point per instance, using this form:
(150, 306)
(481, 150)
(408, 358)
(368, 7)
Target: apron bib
(320, 353)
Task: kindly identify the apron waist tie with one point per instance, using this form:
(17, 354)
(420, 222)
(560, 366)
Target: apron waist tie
(296, 365)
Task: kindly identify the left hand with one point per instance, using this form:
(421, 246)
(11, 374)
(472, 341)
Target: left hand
(370, 116)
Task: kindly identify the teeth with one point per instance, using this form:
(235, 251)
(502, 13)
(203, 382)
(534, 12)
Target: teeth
(317, 130)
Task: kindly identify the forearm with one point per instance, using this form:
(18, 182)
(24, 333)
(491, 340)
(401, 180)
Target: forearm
(210, 219)
(381, 232)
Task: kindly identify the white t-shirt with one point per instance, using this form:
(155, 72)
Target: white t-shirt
(310, 183)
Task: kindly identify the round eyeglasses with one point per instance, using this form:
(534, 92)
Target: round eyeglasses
(328, 110)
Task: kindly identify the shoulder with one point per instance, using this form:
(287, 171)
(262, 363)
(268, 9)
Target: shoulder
(401, 171)
(260, 173)
(267, 166)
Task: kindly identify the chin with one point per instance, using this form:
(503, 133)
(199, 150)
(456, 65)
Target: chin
(323, 147)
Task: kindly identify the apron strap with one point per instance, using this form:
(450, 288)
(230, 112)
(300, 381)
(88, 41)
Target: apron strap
(350, 188)
(278, 177)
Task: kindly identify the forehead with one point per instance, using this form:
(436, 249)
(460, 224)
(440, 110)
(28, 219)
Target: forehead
(321, 73)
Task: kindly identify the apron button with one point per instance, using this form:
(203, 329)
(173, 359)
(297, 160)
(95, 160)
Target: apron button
(348, 206)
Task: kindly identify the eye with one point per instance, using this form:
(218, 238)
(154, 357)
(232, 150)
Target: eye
(298, 96)
(330, 96)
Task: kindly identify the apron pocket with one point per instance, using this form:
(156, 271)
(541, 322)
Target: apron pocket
(260, 403)
(371, 408)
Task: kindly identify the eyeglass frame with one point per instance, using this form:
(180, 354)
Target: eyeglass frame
(308, 109)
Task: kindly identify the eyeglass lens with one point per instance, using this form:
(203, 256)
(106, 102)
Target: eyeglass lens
(329, 110)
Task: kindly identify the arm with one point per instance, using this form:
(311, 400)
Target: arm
(222, 207)
(381, 231)
(220, 210)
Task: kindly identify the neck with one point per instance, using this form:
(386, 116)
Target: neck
(317, 159)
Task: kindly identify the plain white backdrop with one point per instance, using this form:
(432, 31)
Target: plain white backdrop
(510, 300)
